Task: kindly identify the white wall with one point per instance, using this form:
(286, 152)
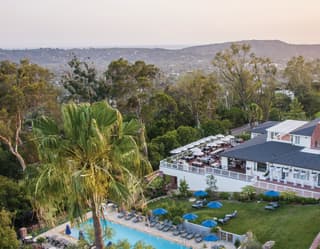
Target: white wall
(198, 182)
(305, 141)
(251, 165)
(224, 162)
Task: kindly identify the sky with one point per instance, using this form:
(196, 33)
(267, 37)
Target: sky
(118, 23)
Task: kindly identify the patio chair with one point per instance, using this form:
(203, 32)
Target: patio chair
(154, 222)
(269, 207)
(162, 225)
(176, 232)
(185, 234)
(235, 213)
(121, 214)
(168, 226)
(190, 236)
(198, 239)
(130, 215)
(137, 219)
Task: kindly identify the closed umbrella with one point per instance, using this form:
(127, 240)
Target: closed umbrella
(190, 216)
(214, 204)
(159, 211)
(272, 193)
(200, 193)
(68, 229)
(209, 223)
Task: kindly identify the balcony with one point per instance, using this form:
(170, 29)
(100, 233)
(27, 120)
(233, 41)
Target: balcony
(206, 170)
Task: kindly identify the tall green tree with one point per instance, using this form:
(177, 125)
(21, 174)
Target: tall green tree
(8, 235)
(246, 78)
(296, 111)
(24, 92)
(254, 114)
(298, 73)
(131, 84)
(94, 156)
(198, 92)
(82, 82)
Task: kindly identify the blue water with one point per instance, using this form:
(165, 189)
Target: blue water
(132, 235)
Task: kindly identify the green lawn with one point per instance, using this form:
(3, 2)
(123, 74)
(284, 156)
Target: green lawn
(291, 226)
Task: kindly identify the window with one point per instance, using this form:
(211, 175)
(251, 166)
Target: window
(272, 135)
(261, 167)
(297, 139)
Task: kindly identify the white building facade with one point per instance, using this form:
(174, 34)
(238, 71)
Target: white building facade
(285, 156)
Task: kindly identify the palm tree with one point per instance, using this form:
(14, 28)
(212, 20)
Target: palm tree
(91, 158)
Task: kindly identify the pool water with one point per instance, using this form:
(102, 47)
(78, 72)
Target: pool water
(133, 236)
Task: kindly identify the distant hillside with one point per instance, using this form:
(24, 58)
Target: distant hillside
(171, 61)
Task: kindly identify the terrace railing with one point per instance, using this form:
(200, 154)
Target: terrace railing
(281, 188)
(206, 170)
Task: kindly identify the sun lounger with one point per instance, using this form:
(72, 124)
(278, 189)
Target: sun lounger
(198, 239)
(269, 207)
(121, 215)
(185, 234)
(154, 223)
(190, 236)
(137, 219)
(162, 225)
(167, 227)
(130, 215)
(176, 232)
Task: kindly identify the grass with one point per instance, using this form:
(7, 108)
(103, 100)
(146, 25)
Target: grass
(291, 226)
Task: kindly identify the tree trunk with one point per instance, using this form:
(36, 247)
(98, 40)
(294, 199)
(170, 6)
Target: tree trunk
(14, 148)
(97, 227)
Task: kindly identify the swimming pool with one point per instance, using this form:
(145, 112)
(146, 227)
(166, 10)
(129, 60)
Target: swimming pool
(132, 235)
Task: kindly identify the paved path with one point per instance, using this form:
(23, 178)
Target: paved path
(112, 216)
(316, 242)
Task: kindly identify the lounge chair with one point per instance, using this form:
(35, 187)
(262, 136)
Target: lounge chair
(137, 219)
(130, 215)
(121, 215)
(176, 232)
(160, 226)
(168, 226)
(198, 239)
(235, 213)
(269, 207)
(155, 222)
(190, 236)
(185, 234)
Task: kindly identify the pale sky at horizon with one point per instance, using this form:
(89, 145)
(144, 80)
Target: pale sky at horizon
(105, 23)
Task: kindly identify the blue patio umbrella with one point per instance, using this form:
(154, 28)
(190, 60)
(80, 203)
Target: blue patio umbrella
(211, 237)
(214, 204)
(200, 193)
(68, 229)
(272, 193)
(159, 211)
(209, 223)
(190, 216)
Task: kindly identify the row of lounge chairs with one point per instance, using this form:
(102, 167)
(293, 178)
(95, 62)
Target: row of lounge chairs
(181, 231)
(131, 215)
(228, 217)
(165, 226)
(54, 240)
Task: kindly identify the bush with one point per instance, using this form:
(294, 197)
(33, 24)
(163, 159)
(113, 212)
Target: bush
(236, 196)
(177, 220)
(237, 243)
(224, 195)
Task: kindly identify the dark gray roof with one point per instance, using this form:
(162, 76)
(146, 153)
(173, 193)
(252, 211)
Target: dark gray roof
(307, 129)
(300, 159)
(258, 150)
(262, 128)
